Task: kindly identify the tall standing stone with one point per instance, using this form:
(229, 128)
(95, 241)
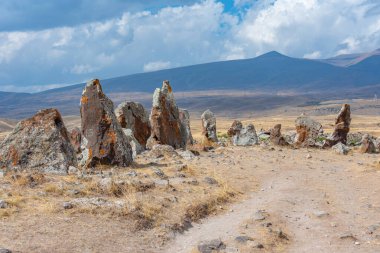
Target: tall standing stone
(342, 127)
(165, 120)
(209, 127)
(103, 140)
(308, 131)
(76, 139)
(41, 143)
(276, 137)
(184, 117)
(132, 115)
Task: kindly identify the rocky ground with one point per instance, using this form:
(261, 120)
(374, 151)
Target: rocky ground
(286, 200)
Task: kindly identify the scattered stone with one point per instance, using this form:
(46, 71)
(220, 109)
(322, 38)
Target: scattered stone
(377, 144)
(321, 214)
(242, 136)
(308, 156)
(282, 235)
(163, 151)
(367, 145)
(165, 122)
(187, 154)
(2, 250)
(243, 239)
(210, 180)
(3, 204)
(373, 228)
(76, 139)
(275, 136)
(68, 205)
(159, 173)
(308, 131)
(184, 117)
(211, 246)
(73, 170)
(209, 128)
(40, 142)
(133, 116)
(347, 235)
(103, 140)
(341, 129)
(259, 215)
(132, 173)
(340, 148)
(255, 245)
(354, 139)
(2, 173)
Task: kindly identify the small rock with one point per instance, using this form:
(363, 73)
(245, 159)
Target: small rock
(340, 148)
(373, 228)
(321, 214)
(357, 243)
(255, 245)
(72, 170)
(132, 173)
(3, 204)
(67, 205)
(259, 215)
(159, 173)
(2, 174)
(243, 239)
(187, 154)
(211, 246)
(347, 235)
(308, 156)
(210, 180)
(282, 235)
(2, 250)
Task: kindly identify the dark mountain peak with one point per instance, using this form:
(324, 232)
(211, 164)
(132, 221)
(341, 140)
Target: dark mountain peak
(272, 54)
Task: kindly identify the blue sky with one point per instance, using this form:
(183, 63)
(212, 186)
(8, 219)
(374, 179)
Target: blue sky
(46, 44)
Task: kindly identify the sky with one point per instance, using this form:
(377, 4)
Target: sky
(46, 44)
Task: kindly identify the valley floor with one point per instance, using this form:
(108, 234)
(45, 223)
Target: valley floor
(286, 200)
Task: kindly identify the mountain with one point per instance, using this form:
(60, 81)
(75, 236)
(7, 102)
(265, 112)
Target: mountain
(270, 73)
(346, 60)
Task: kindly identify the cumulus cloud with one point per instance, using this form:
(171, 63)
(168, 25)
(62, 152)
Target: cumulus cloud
(137, 40)
(157, 65)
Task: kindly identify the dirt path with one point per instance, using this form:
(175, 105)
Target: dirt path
(321, 201)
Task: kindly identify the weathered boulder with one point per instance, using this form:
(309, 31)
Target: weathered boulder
(354, 139)
(164, 119)
(76, 139)
(377, 143)
(342, 127)
(209, 127)
(103, 140)
(40, 142)
(242, 136)
(132, 115)
(340, 148)
(184, 117)
(275, 136)
(367, 145)
(135, 144)
(308, 131)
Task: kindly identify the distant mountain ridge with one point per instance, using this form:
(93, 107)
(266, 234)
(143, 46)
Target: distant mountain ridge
(269, 73)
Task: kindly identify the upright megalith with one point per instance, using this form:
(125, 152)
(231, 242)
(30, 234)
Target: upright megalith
(184, 117)
(76, 139)
(341, 129)
(165, 120)
(39, 143)
(308, 131)
(132, 115)
(242, 136)
(209, 127)
(276, 137)
(103, 140)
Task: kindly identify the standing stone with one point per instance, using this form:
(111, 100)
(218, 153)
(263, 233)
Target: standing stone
(164, 119)
(209, 127)
(132, 115)
(103, 140)
(275, 136)
(367, 145)
(342, 127)
(41, 142)
(308, 131)
(184, 116)
(242, 136)
(76, 139)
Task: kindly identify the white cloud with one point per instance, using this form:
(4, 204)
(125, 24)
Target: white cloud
(82, 69)
(157, 65)
(313, 55)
